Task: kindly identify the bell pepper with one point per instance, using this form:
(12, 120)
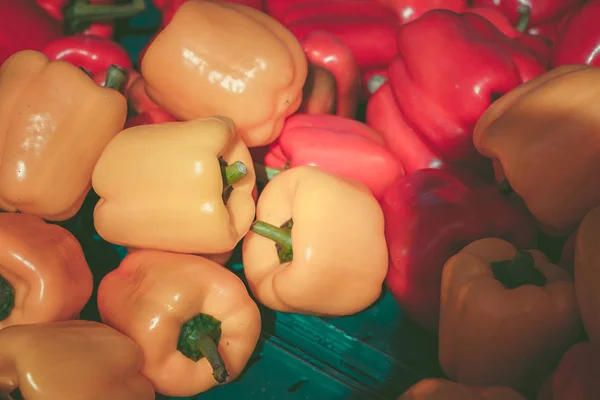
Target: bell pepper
(434, 45)
(43, 274)
(578, 42)
(333, 9)
(55, 122)
(196, 189)
(576, 377)
(506, 315)
(318, 245)
(408, 10)
(93, 53)
(441, 389)
(551, 29)
(277, 8)
(567, 255)
(234, 67)
(193, 319)
(340, 146)
(71, 360)
(324, 50)
(539, 11)
(429, 216)
(25, 26)
(551, 120)
(169, 7)
(319, 92)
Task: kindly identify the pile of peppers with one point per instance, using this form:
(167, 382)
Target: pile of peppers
(444, 151)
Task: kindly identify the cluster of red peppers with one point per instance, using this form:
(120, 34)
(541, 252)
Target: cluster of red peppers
(478, 142)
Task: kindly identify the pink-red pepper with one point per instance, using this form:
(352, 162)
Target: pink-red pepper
(25, 26)
(539, 11)
(333, 9)
(92, 53)
(450, 69)
(340, 146)
(578, 42)
(277, 8)
(408, 10)
(431, 215)
(168, 7)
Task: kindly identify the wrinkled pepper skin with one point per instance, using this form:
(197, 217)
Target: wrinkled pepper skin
(429, 216)
(44, 276)
(250, 69)
(408, 10)
(324, 50)
(138, 299)
(25, 26)
(440, 389)
(576, 377)
(578, 42)
(549, 119)
(93, 53)
(340, 146)
(435, 45)
(181, 184)
(82, 360)
(540, 11)
(55, 122)
(333, 259)
(506, 317)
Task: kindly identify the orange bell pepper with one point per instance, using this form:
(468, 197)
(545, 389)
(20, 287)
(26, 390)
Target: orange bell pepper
(506, 316)
(43, 273)
(440, 389)
(319, 93)
(543, 139)
(184, 187)
(71, 360)
(55, 121)
(587, 271)
(318, 245)
(220, 58)
(194, 320)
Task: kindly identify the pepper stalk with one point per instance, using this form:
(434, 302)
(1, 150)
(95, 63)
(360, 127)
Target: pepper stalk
(7, 298)
(80, 12)
(519, 271)
(282, 236)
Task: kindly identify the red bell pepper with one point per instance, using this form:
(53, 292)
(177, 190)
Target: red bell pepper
(576, 377)
(450, 68)
(539, 46)
(25, 26)
(168, 7)
(552, 28)
(408, 10)
(325, 50)
(277, 8)
(540, 11)
(92, 53)
(333, 9)
(340, 146)
(567, 255)
(431, 215)
(579, 39)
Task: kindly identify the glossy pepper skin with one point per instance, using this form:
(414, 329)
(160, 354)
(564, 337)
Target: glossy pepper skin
(440, 389)
(506, 316)
(540, 11)
(169, 7)
(326, 51)
(43, 273)
(434, 45)
(318, 245)
(578, 42)
(190, 345)
(55, 122)
(576, 377)
(25, 26)
(197, 190)
(408, 10)
(93, 53)
(429, 216)
(83, 360)
(340, 146)
(251, 69)
(552, 120)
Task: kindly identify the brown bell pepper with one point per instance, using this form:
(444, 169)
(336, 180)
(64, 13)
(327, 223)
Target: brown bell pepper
(55, 121)
(71, 360)
(44, 276)
(543, 139)
(318, 245)
(193, 319)
(506, 316)
(220, 58)
(185, 187)
(440, 389)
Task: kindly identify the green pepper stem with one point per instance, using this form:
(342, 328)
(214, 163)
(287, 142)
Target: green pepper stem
(82, 10)
(233, 173)
(199, 338)
(524, 17)
(282, 236)
(7, 298)
(504, 187)
(115, 77)
(519, 271)
(264, 174)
